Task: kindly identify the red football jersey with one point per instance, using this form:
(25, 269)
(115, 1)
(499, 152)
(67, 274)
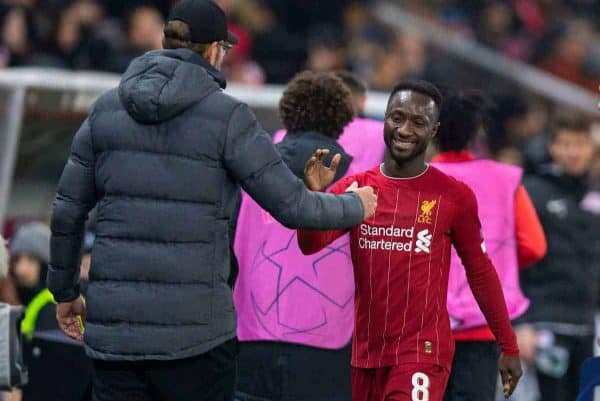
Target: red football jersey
(401, 260)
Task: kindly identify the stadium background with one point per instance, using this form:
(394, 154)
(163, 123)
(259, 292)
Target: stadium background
(534, 57)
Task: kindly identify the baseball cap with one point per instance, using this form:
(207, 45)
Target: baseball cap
(205, 19)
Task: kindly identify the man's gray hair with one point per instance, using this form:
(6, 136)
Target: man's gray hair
(3, 258)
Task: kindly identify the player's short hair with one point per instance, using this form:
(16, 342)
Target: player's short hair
(316, 101)
(179, 36)
(420, 86)
(463, 113)
(572, 121)
(357, 86)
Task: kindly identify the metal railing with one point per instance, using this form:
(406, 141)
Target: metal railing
(81, 89)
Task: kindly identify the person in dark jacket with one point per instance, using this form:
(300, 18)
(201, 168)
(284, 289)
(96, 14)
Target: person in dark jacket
(163, 157)
(30, 255)
(564, 287)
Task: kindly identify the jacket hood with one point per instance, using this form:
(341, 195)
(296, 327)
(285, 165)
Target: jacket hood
(297, 147)
(161, 84)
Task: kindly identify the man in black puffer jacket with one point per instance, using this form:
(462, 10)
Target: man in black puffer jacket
(564, 287)
(163, 158)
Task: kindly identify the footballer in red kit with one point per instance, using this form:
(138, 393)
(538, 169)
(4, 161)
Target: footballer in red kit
(402, 344)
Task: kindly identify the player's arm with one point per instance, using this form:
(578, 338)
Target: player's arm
(312, 241)
(531, 241)
(484, 282)
(75, 197)
(252, 160)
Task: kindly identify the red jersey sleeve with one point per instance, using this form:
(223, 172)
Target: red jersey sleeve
(481, 274)
(312, 241)
(531, 241)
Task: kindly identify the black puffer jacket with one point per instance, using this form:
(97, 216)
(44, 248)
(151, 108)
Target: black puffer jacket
(163, 157)
(564, 287)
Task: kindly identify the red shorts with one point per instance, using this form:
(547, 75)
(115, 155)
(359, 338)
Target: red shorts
(409, 382)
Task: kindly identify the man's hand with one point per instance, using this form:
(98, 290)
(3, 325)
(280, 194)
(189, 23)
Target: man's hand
(317, 177)
(510, 371)
(367, 197)
(70, 316)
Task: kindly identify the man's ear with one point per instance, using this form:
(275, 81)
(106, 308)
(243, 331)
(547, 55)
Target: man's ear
(435, 129)
(211, 53)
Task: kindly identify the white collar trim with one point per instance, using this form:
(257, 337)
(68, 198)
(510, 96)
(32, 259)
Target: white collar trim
(403, 178)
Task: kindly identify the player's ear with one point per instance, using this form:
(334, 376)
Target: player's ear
(434, 130)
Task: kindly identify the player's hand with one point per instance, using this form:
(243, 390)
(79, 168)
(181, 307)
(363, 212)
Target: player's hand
(317, 177)
(510, 371)
(70, 316)
(367, 197)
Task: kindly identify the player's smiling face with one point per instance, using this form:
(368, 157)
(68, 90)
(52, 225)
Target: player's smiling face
(410, 123)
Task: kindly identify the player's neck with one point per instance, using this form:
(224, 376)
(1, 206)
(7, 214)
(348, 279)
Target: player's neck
(407, 169)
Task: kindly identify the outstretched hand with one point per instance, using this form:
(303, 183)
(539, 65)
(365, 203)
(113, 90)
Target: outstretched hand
(510, 371)
(317, 176)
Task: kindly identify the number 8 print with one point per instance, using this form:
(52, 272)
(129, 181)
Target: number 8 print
(420, 391)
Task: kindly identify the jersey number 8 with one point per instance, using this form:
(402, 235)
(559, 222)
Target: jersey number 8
(420, 391)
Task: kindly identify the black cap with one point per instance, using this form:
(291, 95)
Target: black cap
(205, 19)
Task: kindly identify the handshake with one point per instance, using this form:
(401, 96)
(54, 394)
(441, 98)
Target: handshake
(317, 177)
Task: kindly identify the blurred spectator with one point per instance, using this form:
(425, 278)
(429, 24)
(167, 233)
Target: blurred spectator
(30, 253)
(68, 42)
(247, 17)
(277, 38)
(325, 49)
(516, 129)
(570, 53)
(120, 8)
(507, 115)
(564, 287)
(143, 32)
(144, 29)
(17, 35)
(300, 16)
(591, 202)
(559, 36)
(278, 52)
(513, 236)
(366, 40)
